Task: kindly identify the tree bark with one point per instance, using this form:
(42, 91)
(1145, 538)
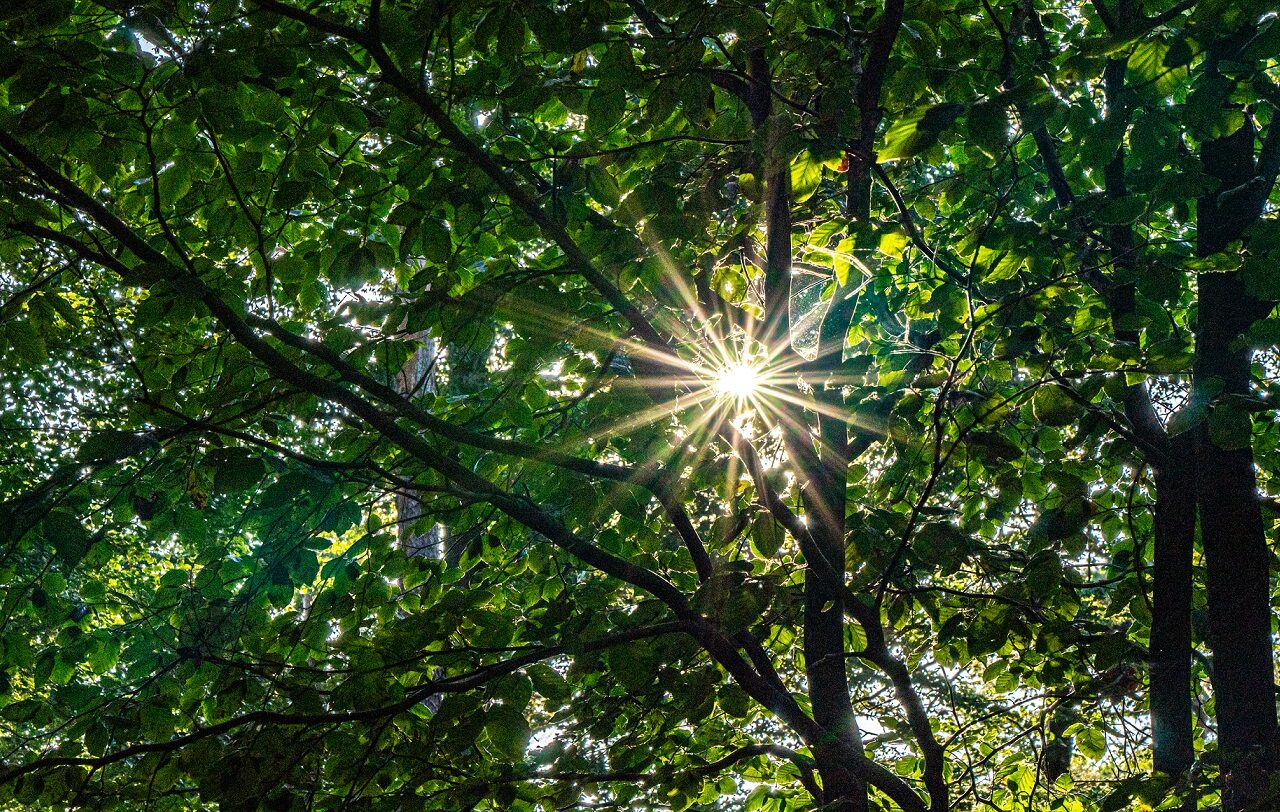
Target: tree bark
(1237, 560)
(418, 375)
(843, 787)
(1170, 644)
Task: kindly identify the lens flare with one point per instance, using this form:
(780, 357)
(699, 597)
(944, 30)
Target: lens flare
(738, 380)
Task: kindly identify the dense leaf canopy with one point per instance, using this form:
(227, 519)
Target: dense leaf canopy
(660, 404)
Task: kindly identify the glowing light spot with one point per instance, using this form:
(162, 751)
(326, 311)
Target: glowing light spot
(738, 381)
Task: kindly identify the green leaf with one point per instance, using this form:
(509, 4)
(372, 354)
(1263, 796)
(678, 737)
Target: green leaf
(1123, 211)
(21, 711)
(987, 126)
(893, 243)
(605, 107)
(291, 193)
(1052, 406)
(511, 36)
(548, 683)
(436, 244)
(918, 130)
(603, 187)
(734, 701)
(113, 445)
(1261, 275)
(235, 469)
(97, 738)
(1187, 418)
(1147, 60)
(1092, 743)
(27, 344)
(806, 175)
(766, 535)
(175, 182)
(508, 730)
(1178, 54)
(64, 532)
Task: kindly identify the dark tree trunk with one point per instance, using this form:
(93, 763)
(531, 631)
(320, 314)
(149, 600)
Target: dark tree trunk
(1237, 560)
(1175, 525)
(843, 788)
(1235, 547)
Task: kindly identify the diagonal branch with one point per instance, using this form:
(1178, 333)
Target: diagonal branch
(653, 478)
(710, 636)
(524, 512)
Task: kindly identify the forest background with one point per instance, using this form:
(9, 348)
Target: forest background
(646, 404)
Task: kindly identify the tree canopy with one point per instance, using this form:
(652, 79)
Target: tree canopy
(797, 405)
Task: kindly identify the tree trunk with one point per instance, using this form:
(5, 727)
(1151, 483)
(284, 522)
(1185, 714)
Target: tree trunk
(825, 669)
(468, 357)
(1237, 560)
(418, 375)
(1238, 585)
(842, 789)
(1175, 525)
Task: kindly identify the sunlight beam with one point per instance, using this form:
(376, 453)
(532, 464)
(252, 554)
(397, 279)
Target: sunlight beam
(739, 380)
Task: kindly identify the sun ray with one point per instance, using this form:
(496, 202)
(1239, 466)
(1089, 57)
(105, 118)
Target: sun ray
(727, 372)
(651, 414)
(739, 380)
(848, 415)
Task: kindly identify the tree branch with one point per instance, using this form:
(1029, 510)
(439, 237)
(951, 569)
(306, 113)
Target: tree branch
(721, 648)
(458, 684)
(802, 762)
(652, 478)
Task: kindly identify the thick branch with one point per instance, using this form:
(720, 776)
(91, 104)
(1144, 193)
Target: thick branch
(652, 478)
(723, 650)
(870, 87)
(1121, 294)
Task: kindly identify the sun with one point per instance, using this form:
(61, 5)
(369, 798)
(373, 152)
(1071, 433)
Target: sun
(738, 380)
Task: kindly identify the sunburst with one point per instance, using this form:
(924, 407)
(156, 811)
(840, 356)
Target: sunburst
(739, 381)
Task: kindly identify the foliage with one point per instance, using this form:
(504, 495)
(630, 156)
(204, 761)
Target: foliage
(916, 556)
